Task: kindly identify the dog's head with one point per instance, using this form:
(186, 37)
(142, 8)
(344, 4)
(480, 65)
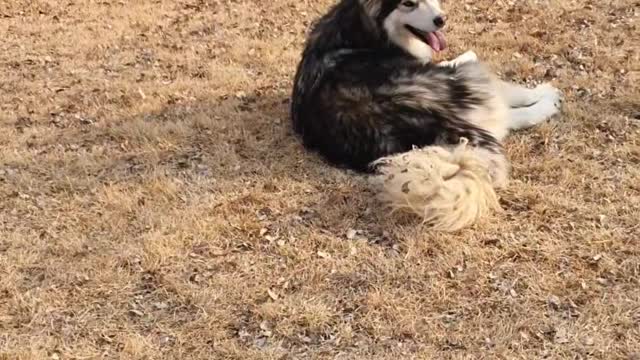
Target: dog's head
(413, 25)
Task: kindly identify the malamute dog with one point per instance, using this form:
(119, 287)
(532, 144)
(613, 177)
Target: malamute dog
(367, 96)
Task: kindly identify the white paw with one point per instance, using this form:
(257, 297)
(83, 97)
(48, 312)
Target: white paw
(550, 105)
(549, 94)
(546, 102)
(468, 56)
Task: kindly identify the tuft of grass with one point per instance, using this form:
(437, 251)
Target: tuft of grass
(155, 203)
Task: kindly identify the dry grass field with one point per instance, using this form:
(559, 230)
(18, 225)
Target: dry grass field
(154, 203)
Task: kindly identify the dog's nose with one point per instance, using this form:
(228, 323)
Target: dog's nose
(438, 21)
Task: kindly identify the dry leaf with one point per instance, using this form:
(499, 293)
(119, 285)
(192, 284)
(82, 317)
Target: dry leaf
(561, 336)
(261, 342)
(267, 329)
(136, 312)
(218, 252)
(271, 237)
(554, 302)
(272, 294)
(160, 305)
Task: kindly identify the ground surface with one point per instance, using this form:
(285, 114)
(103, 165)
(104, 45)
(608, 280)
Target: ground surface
(154, 203)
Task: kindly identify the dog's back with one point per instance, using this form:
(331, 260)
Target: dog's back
(361, 100)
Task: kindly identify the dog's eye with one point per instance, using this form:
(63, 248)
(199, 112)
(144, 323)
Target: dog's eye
(410, 4)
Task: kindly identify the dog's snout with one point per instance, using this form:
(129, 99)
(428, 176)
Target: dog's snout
(438, 21)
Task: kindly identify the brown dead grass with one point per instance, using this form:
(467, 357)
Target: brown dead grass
(156, 205)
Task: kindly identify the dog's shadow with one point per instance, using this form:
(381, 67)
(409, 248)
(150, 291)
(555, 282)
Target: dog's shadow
(245, 142)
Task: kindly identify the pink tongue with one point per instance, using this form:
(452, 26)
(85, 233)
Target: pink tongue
(436, 41)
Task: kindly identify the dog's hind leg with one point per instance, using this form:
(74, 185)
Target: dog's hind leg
(519, 96)
(513, 95)
(525, 117)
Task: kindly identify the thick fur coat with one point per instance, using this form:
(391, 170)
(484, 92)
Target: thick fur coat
(367, 96)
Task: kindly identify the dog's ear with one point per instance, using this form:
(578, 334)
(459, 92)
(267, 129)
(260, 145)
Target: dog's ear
(372, 7)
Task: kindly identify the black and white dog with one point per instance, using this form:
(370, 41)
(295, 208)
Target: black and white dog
(367, 96)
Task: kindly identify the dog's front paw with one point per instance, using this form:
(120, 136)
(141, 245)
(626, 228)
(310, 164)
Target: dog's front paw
(468, 56)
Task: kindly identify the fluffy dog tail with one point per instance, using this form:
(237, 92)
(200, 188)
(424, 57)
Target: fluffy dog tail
(450, 187)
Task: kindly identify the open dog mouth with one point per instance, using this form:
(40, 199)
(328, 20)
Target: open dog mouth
(434, 39)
